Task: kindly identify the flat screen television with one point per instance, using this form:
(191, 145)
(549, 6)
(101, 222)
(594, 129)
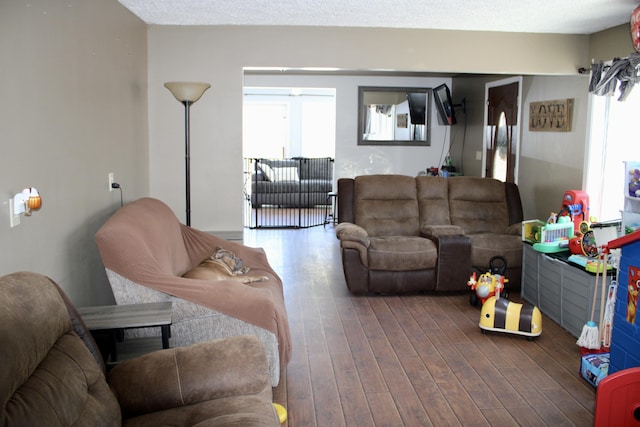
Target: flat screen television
(417, 107)
(444, 105)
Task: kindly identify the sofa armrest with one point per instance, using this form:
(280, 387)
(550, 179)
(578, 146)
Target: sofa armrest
(346, 192)
(258, 176)
(188, 375)
(441, 230)
(514, 203)
(515, 229)
(347, 231)
(454, 262)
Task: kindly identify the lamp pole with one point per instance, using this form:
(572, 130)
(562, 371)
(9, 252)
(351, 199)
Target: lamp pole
(187, 161)
(187, 93)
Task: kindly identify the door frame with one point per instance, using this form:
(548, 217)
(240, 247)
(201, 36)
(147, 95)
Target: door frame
(517, 132)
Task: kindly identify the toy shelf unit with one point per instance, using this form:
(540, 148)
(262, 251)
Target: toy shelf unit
(631, 212)
(563, 291)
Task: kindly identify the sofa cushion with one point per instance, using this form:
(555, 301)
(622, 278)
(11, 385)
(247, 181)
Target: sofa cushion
(433, 200)
(386, 205)
(285, 174)
(273, 187)
(279, 163)
(478, 205)
(486, 246)
(225, 369)
(266, 171)
(402, 253)
(441, 231)
(320, 168)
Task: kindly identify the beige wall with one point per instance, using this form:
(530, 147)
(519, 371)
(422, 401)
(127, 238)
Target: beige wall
(550, 162)
(611, 43)
(218, 54)
(74, 108)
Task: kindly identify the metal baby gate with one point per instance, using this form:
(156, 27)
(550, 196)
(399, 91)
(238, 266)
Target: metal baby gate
(288, 193)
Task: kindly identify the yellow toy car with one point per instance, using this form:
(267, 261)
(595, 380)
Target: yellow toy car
(502, 315)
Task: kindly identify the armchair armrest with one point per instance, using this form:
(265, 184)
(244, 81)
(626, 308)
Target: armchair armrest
(347, 231)
(441, 230)
(188, 375)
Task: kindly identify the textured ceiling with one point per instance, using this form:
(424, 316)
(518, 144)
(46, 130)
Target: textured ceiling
(533, 16)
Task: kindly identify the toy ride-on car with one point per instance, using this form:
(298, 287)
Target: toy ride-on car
(491, 283)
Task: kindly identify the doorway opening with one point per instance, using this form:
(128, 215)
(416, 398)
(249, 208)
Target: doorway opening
(502, 129)
(293, 128)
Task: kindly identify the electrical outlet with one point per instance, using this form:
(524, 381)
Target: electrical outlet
(111, 181)
(13, 219)
(478, 155)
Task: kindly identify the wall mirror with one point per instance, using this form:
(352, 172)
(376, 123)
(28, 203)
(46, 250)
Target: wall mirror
(394, 116)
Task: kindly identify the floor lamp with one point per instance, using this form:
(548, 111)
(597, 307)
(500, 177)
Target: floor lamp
(187, 93)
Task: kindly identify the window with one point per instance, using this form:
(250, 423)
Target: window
(289, 122)
(613, 140)
(266, 129)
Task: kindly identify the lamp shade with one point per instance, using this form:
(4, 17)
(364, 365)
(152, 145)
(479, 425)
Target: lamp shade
(187, 91)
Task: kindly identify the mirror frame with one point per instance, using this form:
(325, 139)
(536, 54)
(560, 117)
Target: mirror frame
(361, 115)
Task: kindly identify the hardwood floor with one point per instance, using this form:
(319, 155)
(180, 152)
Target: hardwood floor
(413, 360)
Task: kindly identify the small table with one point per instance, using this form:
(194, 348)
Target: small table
(330, 209)
(113, 318)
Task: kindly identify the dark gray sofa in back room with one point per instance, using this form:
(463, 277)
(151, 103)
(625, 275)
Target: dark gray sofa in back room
(297, 182)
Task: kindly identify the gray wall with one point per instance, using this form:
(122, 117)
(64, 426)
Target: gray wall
(74, 108)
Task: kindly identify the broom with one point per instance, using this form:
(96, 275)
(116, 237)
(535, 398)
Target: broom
(590, 336)
(605, 252)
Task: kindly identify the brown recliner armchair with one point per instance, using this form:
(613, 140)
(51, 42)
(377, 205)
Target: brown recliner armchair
(52, 374)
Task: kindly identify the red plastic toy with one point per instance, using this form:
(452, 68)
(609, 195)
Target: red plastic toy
(487, 286)
(618, 399)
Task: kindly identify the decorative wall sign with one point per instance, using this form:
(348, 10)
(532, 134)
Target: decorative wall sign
(550, 116)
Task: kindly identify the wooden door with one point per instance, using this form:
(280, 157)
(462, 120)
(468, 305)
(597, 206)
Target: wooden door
(502, 130)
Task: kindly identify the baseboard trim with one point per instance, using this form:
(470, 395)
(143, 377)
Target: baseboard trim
(235, 235)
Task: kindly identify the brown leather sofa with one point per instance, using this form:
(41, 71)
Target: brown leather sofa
(52, 373)
(406, 234)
